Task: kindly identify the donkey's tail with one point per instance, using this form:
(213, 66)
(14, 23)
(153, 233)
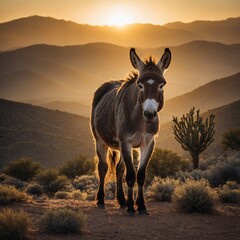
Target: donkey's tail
(112, 161)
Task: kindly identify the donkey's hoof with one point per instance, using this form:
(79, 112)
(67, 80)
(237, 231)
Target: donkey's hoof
(143, 212)
(101, 205)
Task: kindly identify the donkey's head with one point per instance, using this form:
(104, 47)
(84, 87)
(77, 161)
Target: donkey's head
(150, 82)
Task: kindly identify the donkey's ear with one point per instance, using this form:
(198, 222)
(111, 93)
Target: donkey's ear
(135, 60)
(165, 60)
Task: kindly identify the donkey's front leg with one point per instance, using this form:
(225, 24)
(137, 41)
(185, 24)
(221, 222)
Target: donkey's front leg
(126, 151)
(146, 152)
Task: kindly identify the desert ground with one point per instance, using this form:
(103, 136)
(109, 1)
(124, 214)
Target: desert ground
(162, 223)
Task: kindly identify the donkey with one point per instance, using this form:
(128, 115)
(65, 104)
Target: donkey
(125, 116)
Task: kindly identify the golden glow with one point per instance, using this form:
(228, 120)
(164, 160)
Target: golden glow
(120, 12)
(119, 16)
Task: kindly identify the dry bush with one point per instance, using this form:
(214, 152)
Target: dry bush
(61, 195)
(14, 225)
(194, 196)
(51, 181)
(87, 184)
(230, 193)
(23, 168)
(78, 195)
(34, 189)
(62, 221)
(9, 194)
(162, 189)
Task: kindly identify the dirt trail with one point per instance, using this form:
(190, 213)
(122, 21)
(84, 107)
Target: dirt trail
(162, 223)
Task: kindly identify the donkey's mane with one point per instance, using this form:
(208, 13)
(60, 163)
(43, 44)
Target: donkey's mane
(150, 62)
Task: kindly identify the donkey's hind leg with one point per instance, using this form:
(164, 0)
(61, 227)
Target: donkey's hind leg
(102, 170)
(120, 194)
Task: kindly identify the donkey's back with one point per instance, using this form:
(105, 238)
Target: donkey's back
(103, 112)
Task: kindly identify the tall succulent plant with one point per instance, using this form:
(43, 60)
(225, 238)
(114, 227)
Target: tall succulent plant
(194, 134)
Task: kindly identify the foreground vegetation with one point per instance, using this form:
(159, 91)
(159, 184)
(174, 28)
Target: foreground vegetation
(170, 178)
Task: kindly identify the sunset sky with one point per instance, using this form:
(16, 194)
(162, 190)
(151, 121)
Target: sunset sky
(114, 12)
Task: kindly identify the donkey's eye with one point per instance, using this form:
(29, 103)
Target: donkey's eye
(140, 85)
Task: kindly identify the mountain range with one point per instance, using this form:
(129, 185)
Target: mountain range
(74, 72)
(37, 30)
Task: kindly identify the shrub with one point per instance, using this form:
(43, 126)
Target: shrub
(227, 169)
(17, 183)
(9, 194)
(230, 193)
(61, 195)
(78, 195)
(231, 139)
(24, 169)
(51, 181)
(194, 196)
(78, 167)
(34, 189)
(232, 185)
(87, 184)
(162, 189)
(14, 225)
(164, 163)
(62, 221)
(3, 177)
(196, 174)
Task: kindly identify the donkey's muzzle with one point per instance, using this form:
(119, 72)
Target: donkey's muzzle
(149, 116)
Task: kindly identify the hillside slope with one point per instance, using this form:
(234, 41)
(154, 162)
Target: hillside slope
(50, 137)
(211, 95)
(71, 107)
(227, 117)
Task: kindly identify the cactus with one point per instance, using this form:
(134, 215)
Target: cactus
(194, 134)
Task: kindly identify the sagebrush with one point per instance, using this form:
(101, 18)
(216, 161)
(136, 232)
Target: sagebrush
(194, 196)
(9, 194)
(14, 225)
(162, 189)
(62, 221)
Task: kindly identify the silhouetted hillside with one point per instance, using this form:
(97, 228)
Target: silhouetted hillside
(71, 107)
(226, 31)
(81, 69)
(50, 137)
(227, 117)
(211, 95)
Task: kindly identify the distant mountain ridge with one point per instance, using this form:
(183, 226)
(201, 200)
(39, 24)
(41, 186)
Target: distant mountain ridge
(81, 69)
(50, 137)
(227, 31)
(211, 95)
(38, 30)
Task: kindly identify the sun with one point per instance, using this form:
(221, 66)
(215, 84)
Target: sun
(119, 16)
